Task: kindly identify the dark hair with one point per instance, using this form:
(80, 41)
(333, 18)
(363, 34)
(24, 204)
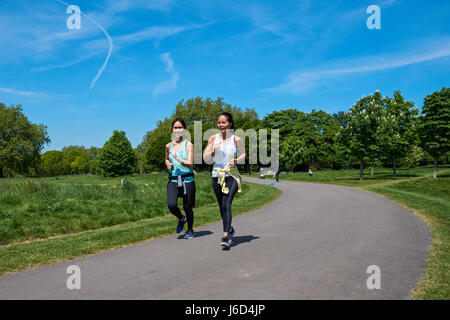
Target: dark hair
(180, 121)
(229, 118)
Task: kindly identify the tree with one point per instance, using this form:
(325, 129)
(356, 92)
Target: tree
(321, 137)
(285, 121)
(364, 128)
(71, 153)
(342, 118)
(92, 154)
(80, 165)
(343, 153)
(292, 152)
(20, 141)
(397, 128)
(319, 132)
(413, 157)
(52, 163)
(117, 156)
(435, 125)
(155, 145)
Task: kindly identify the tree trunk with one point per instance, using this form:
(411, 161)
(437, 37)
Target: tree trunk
(1, 172)
(361, 170)
(371, 173)
(395, 167)
(435, 167)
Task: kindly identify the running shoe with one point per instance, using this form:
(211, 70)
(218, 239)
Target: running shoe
(225, 242)
(232, 232)
(189, 234)
(180, 225)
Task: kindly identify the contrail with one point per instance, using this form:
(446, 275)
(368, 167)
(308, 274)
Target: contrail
(107, 36)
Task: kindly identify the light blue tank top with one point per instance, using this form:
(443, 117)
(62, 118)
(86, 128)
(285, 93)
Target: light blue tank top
(178, 168)
(226, 152)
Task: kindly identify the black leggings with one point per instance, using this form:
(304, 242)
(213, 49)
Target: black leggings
(225, 200)
(173, 193)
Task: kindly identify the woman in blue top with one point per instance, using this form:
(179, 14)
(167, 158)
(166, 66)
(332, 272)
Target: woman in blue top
(180, 162)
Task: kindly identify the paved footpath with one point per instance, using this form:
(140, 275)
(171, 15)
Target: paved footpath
(314, 242)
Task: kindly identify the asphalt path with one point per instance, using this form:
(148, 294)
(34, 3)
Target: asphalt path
(314, 242)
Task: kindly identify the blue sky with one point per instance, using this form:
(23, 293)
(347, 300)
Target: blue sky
(266, 55)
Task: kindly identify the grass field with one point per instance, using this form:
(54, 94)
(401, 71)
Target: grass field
(417, 190)
(48, 220)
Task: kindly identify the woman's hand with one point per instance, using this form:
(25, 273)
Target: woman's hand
(169, 165)
(216, 149)
(174, 155)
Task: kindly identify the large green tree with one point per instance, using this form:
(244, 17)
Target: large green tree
(21, 141)
(398, 134)
(318, 131)
(117, 156)
(363, 131)
(435, 125)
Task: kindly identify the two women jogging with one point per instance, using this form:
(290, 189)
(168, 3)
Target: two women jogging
(226, 150)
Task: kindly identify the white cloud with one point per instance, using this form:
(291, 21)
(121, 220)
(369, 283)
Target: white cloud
(302, 81)
(18, 92)
(65, 64)
(155, 32)
(168, 85)
(126, 5)
(263, 18)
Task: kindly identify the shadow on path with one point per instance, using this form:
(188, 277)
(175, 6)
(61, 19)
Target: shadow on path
(242, 239)
(197, 234)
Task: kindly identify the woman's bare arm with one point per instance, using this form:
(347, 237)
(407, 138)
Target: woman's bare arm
(190, 153)
(241, 151)
(167, 161)
(209, 152)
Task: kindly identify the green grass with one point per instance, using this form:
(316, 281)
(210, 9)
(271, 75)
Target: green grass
(427, 197)
(351, 177)
(39, 208)
(93, 214)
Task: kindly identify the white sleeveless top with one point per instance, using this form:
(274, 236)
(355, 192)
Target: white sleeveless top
(226, 152)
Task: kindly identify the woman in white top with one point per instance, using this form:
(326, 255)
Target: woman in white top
(227, 150)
